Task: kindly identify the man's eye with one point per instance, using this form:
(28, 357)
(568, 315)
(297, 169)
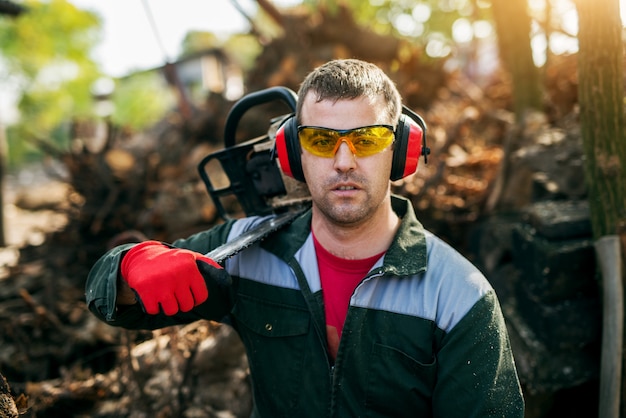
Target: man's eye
(321, 142)
(365, 142)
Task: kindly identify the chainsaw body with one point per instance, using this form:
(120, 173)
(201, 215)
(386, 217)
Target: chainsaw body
(253, 174)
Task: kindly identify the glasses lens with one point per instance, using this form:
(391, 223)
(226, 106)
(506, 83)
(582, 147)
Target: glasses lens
(368, 140)
(318, 141)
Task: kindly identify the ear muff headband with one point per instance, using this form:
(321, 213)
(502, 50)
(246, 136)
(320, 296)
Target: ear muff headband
(409, 144)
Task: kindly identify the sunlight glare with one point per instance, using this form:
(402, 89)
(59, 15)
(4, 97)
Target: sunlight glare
(570, 22)
(437, 47)
(462, 30)
(421, 12)
(404, 24)
(483, 29)
(563, 44)
(538, 46)
(54, 75)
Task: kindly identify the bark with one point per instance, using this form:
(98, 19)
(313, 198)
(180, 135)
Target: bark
(601, 97)
(513, 28)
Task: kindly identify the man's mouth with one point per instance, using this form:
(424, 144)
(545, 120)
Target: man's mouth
(346, 188)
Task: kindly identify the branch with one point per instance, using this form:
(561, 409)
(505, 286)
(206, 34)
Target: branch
(272, 11)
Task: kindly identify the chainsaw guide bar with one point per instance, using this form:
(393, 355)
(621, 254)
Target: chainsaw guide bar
(254, 235)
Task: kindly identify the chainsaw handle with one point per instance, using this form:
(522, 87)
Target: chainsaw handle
(285, 94)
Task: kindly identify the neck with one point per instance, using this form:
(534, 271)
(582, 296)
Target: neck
(356, 241)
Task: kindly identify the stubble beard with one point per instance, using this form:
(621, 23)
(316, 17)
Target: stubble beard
(346, 212)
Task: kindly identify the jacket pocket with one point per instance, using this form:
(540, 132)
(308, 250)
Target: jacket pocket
(271, 319)
(394, 374)
(276, 337)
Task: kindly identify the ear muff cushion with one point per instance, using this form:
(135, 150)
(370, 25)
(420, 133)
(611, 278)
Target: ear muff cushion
(281, 151)
(288, 149)
(407, 148)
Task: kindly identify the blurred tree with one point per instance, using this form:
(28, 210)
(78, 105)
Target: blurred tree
(456, 29)
(601, 98)
(140, 100)
(451, 29)
(7, 9)
(243, 49)
(423, 21)
(513, 25)
(46, 56)
(195, 41)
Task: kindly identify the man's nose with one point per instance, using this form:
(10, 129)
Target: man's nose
(346, 141)
(345, 158)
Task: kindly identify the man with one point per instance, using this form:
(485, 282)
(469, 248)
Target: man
(352, 310)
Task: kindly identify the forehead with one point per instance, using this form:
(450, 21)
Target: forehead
(343, 113)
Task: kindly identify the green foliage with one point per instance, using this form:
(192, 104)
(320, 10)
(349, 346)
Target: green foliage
(47, 33)
(140, 100)
(197, 41)
(19, 151)
(243, 49)
(421, 21)
(45, 54)
(57, 94)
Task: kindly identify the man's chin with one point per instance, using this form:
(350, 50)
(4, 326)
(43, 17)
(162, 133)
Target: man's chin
(347, 216)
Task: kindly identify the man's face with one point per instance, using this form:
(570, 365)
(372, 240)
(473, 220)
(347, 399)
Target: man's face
(346, 189)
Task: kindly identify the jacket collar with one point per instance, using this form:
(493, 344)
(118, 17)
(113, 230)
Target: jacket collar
(405, 256)
(407, 253)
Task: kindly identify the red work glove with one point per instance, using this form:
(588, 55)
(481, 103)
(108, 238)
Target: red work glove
(166, 279)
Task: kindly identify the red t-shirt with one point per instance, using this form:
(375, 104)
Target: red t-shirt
(339, 277)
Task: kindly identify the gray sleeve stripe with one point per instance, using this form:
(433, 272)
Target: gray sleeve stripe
(443, 294)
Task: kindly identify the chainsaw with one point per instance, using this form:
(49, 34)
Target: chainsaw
(247, 179)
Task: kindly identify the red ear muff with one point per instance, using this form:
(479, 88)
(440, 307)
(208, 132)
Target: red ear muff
(288, 149)
(410, 143)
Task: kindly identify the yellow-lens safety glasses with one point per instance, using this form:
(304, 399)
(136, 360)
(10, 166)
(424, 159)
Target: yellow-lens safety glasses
(363, 141)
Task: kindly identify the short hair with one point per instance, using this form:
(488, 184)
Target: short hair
(350, 79)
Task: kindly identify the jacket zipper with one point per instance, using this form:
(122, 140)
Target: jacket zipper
(377, 272)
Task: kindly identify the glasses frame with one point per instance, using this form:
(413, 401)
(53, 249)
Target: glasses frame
(343, 136)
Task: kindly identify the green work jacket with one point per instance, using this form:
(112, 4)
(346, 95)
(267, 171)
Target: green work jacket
(424, 335)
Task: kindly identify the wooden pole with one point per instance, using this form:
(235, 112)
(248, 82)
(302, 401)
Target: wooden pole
(608, 255)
